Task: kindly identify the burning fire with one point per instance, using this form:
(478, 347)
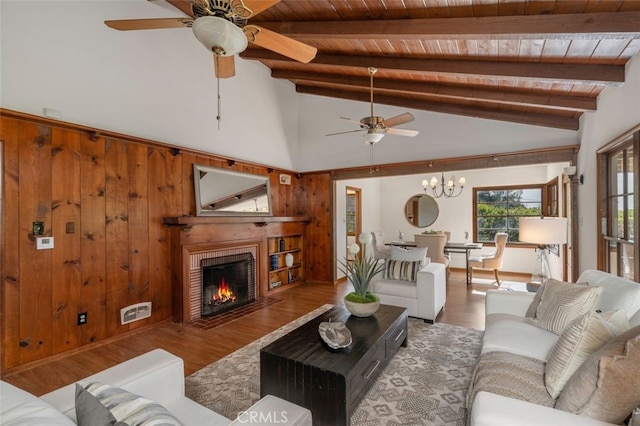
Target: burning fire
(224, 294)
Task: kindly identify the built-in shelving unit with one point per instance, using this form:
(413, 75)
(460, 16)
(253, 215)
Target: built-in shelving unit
(281, 247)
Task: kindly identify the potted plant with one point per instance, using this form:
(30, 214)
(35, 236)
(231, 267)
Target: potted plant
(360, 271)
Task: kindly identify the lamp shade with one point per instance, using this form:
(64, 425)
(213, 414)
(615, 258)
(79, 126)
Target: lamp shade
(543, 230)
(219, 35)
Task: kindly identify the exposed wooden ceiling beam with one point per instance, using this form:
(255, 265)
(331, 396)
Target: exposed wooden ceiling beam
(569, 73)
(506, 96)
(536, 119)
(585, 26)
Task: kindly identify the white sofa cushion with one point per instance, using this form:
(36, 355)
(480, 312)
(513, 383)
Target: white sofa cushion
(18, 407)
(580, 339)
(617, 292)
(397, 288)
(509, 333)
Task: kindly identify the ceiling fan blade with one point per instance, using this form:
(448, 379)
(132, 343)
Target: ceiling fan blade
(185, 6)
(148, 24)
(353, 121)
(278, 43)
(224, 66)
(402, 132)
(257, 6)
(399, 119)
(342, 133)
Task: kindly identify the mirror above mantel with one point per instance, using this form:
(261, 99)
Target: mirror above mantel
(221, 192)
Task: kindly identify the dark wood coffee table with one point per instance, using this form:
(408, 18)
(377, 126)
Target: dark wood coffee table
(301, 368)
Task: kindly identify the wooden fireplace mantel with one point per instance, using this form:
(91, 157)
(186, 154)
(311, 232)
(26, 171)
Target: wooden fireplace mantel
(197, 234)
(257, 220)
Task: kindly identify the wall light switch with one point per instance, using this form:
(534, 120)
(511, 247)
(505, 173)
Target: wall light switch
(44, 243)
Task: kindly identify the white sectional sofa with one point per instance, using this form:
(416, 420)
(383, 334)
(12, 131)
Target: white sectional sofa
(507, 331)
(156, 375)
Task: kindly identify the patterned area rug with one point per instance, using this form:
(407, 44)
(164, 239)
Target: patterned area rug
(424, 384)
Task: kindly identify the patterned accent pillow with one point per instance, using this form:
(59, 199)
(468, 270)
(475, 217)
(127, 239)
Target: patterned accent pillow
(402, 270)
(606, 387)
(561, 303)
(580, 339)
(97, 403)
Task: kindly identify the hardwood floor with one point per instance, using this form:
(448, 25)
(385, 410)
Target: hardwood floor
(199, 347)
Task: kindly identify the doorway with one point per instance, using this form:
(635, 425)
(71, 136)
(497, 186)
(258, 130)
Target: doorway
(353, 217)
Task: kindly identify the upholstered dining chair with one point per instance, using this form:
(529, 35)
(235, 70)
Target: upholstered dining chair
(492, 260)
(380, 251)
(435, 247)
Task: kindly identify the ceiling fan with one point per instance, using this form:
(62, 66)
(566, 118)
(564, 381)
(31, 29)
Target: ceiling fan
(222, 27)
(376, 127)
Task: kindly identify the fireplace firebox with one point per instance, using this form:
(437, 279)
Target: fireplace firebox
(228, 282)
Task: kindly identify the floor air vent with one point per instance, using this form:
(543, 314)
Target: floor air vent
(135, 312)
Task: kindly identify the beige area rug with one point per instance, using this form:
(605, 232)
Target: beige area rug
(424, 384)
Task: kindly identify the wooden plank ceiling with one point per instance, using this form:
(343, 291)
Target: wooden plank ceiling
(540, 62)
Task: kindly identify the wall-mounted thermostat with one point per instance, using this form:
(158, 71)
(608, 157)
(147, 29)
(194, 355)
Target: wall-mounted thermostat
(44, 243)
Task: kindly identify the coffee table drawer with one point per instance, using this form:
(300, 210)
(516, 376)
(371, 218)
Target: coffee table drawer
(367, 370)
(396, 338)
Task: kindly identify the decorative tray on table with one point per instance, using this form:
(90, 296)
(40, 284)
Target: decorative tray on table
(335, 334)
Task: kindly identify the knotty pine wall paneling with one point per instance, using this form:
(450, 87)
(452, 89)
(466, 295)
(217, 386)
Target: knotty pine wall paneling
(34, 151)
(93, 205)
(316, 203)
(102, 197)
(65, 226)
(117, 232)
(10, 254)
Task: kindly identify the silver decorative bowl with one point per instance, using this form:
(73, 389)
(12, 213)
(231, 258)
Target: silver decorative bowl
(335, 334)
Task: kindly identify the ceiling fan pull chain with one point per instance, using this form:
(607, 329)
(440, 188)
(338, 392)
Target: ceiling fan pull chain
(219, 101)
(371, 162)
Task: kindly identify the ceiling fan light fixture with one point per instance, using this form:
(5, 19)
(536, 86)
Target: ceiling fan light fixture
(219, 35)
(373, 137)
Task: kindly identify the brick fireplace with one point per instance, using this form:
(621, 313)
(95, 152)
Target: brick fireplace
(235, 267)
(194, 239)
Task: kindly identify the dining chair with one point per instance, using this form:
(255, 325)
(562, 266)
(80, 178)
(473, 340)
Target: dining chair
(380, 251)
(491, 260)
(435, 247)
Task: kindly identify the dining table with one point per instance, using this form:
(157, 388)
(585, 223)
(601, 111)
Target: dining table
(450, 247)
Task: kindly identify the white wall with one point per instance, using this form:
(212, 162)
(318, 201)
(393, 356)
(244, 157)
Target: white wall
(154, 84)
(618, 111)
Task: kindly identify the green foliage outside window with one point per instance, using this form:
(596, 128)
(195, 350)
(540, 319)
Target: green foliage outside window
(499, 209)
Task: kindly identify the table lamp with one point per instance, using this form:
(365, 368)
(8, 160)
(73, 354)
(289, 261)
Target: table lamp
(545, 232)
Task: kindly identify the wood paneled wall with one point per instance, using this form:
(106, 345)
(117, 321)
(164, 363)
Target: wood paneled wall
(103, 198)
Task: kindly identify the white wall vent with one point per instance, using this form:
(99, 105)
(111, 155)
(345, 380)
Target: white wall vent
(135, 312)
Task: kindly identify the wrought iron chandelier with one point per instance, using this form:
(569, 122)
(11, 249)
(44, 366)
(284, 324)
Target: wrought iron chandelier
(447, 189)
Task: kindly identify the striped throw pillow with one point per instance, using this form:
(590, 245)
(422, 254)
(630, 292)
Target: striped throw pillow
(123, 406)
(402, 270)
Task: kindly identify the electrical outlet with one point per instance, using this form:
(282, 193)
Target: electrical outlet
(82, 318)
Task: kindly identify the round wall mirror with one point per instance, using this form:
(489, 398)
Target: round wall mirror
(421, 210)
